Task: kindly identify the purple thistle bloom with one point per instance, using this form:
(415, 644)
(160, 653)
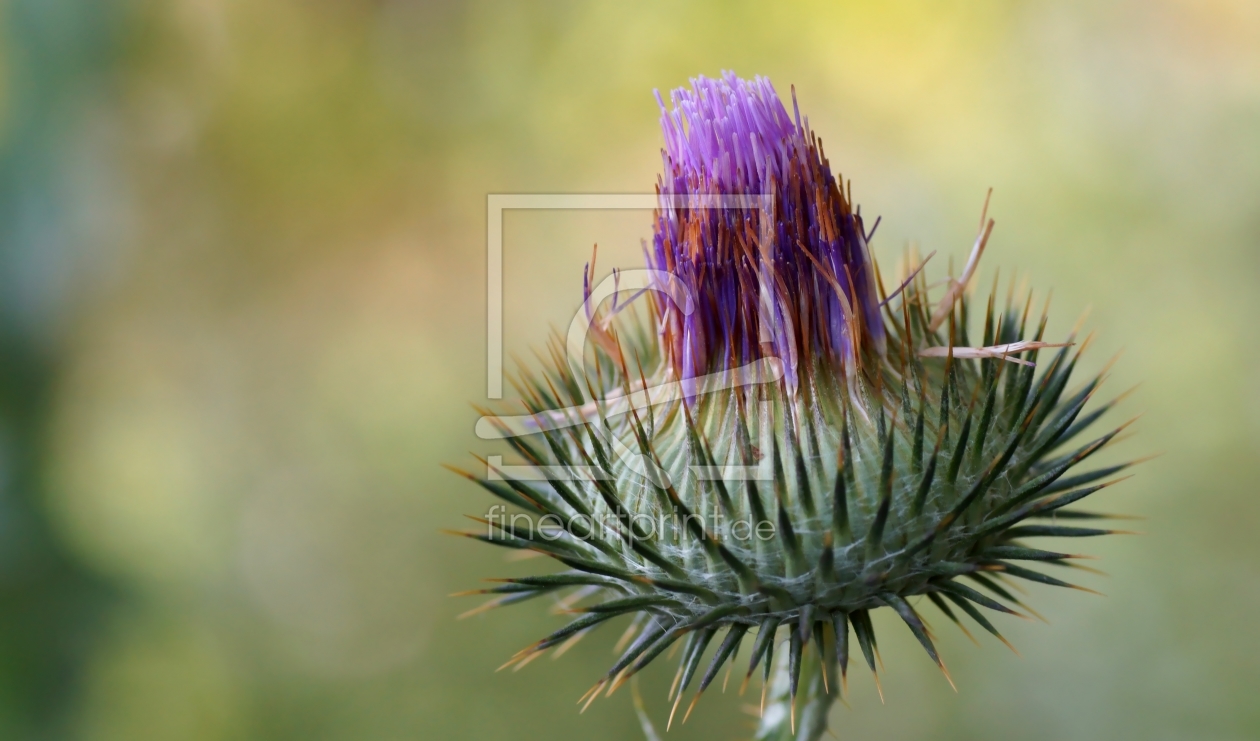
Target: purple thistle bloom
(785, 508)
(800, 286)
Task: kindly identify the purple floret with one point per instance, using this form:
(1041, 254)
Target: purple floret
(733, 137)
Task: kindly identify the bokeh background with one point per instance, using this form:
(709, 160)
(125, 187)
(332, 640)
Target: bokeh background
(242, 291)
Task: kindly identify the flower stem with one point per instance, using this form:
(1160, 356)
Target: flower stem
(813, 700)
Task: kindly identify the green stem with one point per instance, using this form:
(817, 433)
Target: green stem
(813, 700)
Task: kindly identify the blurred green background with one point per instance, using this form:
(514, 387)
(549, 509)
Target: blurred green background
(242, 294)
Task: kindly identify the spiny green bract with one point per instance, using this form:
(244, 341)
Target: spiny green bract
(932, 488)
(720, 501)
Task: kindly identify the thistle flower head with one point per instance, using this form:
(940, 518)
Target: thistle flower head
(784, 272)
(772, 439)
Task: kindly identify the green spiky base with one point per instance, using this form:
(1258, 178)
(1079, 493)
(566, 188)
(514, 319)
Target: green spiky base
(806, 505)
